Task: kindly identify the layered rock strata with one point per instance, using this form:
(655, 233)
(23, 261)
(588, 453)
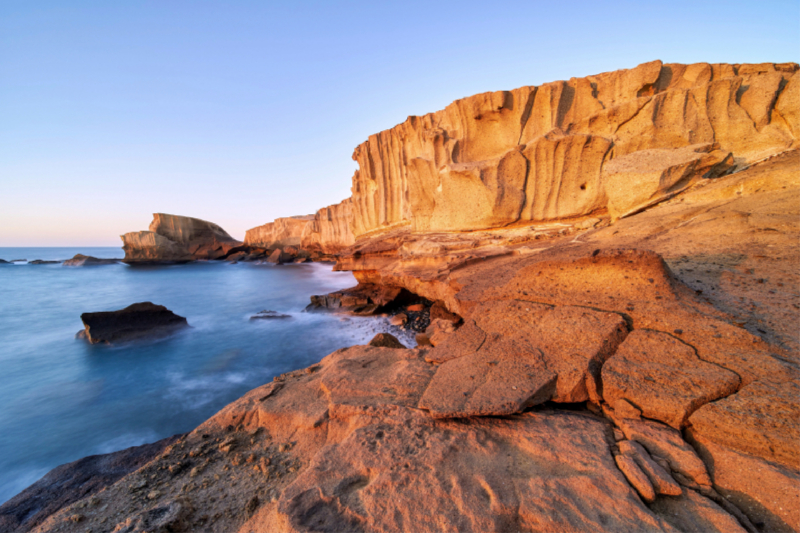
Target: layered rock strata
(174, 238)
(279, 233)
(615, 142)
(331, 230)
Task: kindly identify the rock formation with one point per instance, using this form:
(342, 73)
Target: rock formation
(615, 332)
(87, 260)
(617, 142)
(282, 232)
(174, 238)
(72, 482)
(134, 322)
(331, 229)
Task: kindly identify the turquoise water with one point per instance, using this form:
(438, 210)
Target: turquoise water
(62, 399)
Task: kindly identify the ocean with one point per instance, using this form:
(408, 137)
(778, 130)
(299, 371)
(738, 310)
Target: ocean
(62, 399)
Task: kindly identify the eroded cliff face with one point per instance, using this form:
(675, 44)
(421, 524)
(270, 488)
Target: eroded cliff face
(177, 238)
(546, 153)
(330, 231)
(279, 233)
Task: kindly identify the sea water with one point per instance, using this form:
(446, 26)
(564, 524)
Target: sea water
(62, 399)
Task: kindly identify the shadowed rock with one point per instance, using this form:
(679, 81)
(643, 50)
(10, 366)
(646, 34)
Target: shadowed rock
(87, 260)
(74, 481)
(141, 320)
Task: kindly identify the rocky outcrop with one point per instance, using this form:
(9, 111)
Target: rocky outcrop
(87, 260)
(137, 321)
(173, 238)
(282, 232)
(634, 374)
(547, 153)
(331, 229)
(73, 482)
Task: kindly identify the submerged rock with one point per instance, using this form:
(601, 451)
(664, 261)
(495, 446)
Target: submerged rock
(135, 321)
(268, 314)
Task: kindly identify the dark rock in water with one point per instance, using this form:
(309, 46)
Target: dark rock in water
(135, 321)
(279, 257)
(268, 314)
(4, 262)
(66, 484)
(87, 260)
(42, 262)
(235, 258)
(19, 260)
(386, 340)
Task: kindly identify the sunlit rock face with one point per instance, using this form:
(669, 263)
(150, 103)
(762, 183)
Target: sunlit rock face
(177, 238)
(279, 233)
(331, 230)
(548, 152)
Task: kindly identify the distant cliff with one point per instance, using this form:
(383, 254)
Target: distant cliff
(281, 232)
(330, 231)
(177, 238)
(544, 153)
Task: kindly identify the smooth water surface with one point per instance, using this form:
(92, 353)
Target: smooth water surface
(62, 399)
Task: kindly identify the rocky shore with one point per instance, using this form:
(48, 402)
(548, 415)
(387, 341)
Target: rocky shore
(616, 257)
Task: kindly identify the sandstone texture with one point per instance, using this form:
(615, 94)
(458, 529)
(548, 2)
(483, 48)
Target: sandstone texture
(137, 321)
(331, 230)
(603, 275)
(615, 142)
(174, 238)
(279, 233)
(73, 482)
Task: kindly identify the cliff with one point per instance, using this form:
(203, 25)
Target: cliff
(279, 233)
(545, 153)
(177, 238)
(330, 230)
(618, 255)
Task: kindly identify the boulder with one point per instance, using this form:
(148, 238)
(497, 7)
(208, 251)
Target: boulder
(385, 340)
(280, 257)
(140, 320)
(87, 260)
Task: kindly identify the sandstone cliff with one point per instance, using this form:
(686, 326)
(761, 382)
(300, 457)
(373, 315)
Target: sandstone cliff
(279, 233)
(177, 238)
(330, 231)
(546, 153)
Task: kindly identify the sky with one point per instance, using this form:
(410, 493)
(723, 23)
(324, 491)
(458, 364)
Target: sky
(240, 112)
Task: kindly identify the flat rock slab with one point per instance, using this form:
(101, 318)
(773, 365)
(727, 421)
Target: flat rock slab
(134, 322)
(548, 471)
(267, 315)
(369, 375)
(574, 341)
(762, 419)
(663, 377)
(87, 260)
(502, 378)
(466, 340)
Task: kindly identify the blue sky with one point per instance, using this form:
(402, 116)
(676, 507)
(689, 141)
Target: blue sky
(241, 112)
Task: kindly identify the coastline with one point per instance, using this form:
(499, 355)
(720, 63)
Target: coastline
(620, 366)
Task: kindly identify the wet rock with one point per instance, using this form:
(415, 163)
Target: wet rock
(386, 340)
(267, 315)
(137, 321)
(87, 260)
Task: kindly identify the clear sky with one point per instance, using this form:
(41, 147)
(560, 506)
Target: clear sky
(239, 112)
